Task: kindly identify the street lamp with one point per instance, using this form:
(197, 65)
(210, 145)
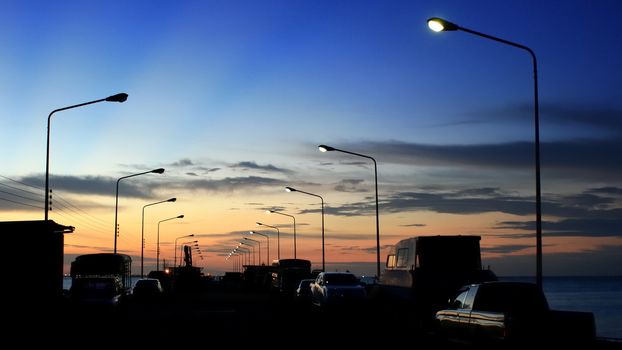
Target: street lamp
(175, 247)
(181, 250)
(142, 235)
(278, 238)
(268, 241)
(114, 98)
(116, 204)
(324, 148)
(158, 240)
(259, 243)
(244, 250)
(439, 25)
(253, 247)
(291, 216)
(291, 189)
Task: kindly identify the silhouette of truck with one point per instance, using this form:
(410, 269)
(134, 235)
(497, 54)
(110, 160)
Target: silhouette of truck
(512, 313)
(287, 274)
(100, 278)
(422, 273)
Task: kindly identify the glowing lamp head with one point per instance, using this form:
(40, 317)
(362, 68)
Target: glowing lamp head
(440, 25)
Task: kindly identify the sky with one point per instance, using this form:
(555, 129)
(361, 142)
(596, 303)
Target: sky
(232, 98)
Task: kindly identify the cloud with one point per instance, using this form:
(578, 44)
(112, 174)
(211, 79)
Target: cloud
(505, 249)
(249, 165)
(578, 158)
(191, 174)
(615, 191)
(97, 185)
(350, 185)
(414, 225)
(228, 184)
(606, 260)
(184, 162)
(582, 227)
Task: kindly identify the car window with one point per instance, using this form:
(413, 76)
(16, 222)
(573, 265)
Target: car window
(458, 302)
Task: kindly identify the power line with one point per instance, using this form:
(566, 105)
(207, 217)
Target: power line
(16, 202)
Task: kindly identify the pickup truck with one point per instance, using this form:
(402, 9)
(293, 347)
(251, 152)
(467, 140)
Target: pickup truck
(511, 312)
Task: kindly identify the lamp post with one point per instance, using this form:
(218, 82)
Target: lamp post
(291, 189)
(122, 97)
(158, 239)
(175, 248)
(278, 238)
(291, 216)
(244, 250)
(116, 204)
(267, 240)
(142, 235)
(258, 243)
(324, 148)
(252, 247)
(181, 250)
(439, 25)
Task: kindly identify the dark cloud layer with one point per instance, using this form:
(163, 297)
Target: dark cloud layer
(585, 157)
(249, 165)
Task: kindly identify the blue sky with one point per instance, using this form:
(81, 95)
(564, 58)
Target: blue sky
(232, 97)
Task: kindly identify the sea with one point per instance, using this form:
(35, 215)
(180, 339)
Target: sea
(600, 295)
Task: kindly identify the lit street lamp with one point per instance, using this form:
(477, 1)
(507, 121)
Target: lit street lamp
(116, 204)
(158, 240)
(268, 241)
(142, 235)
(324, 148)
(440, 25)
(278, 238)
(291, 189)
(114, 98)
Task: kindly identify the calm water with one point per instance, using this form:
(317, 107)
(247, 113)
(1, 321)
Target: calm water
(600, 295)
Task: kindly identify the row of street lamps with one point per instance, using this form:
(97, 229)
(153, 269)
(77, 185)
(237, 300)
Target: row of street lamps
(435, 24)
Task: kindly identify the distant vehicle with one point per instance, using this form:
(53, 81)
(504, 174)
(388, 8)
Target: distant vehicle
(423, 272)
(511, 312)
(96, 291)
(287, 274)
(334, 289)
(303, 292)
(147, 288)
(100, 279)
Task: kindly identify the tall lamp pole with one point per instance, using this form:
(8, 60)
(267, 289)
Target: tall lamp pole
(440, 25)
(291, 189)
(258, 243)
(252, 247)
(267, 240)
(158, 240)
(278, 237)
(175, 247)
(324, 148)
(116, 204)
(122, 97)
(291, 216)
(142, 235)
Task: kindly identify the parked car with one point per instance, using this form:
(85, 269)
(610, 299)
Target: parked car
(147, 288)
(335, 289)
